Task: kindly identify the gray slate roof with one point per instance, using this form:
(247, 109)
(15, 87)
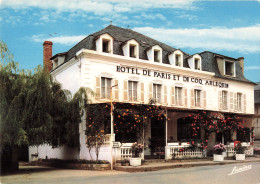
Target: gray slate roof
(122, 35)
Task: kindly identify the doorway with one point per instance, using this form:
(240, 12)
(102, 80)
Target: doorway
(157, 141)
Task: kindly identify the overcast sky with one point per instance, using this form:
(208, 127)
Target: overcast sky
(230, 28)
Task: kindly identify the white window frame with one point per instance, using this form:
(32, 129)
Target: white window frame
(150, 54)
(157, 92)
(178, 95)
(172, 58)
(126, 48)
(224, 100)
(106, 88)
(132, 90)
(197, 97)
(99, 43)
(239, 101)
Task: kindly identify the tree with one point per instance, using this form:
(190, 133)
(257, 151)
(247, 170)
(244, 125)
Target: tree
(34, 109)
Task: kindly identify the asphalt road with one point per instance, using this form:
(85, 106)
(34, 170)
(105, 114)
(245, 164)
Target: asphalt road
(248, 173)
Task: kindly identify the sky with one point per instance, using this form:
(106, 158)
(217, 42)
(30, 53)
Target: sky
(230, 28)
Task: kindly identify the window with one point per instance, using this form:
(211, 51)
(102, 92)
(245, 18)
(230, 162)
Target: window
(224, 137)
(239, 101)
(105, 46)
(229, 68)
(178, 95)
(105, 87)
(177, 60)
(132, 52)
(156, 55)
(197, 64)
(243, 134)
(157, 92)
(197, 94)
(185, 131)
(132, 90)
(224, 100)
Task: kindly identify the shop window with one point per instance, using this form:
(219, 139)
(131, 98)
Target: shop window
(197, 98)
(132, 51)
(177, 60)
(157, 90)
(156, 55)
(224, 100)
(229, 68)
(178, 96)
(105, 87)
(239, 102)
(132, 90)
(105, 46)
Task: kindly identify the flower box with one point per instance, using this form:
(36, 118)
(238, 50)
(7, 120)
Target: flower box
(135, 161)
(240, 156)
(218, 158)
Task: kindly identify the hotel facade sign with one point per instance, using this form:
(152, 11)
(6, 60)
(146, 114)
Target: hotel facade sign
(170, 76)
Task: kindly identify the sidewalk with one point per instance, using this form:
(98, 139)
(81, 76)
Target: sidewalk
(159, 165)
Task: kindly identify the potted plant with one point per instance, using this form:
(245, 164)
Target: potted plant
(137, 149)
(219, 149)
(240, 151)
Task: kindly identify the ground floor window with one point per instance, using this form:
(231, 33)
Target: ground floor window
(243, 134)
(185, 130)
(224, 137)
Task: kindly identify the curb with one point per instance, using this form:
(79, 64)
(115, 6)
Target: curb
(173, 166)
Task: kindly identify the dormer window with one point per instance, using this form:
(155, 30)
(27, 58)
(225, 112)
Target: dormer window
(156, 55)
(196, 64)
(132, 52)
(177, 60)
(131, 48)
(229, 68)
(105, 45)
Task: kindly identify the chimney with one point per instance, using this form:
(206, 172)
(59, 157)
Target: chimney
(47, 54)
(241, 63)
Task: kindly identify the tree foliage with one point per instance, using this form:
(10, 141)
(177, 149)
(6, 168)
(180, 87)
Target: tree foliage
(34, 109)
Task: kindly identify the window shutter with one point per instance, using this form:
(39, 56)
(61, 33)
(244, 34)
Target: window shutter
(142, 92)
(235, 102)
(220, 100)
(185, 97)
(192, 101)
(125, 90)
(172, 96)
(116, 91)
(98, 87)
(244, 103)
(231, 101)
(204, 99)
(165, 95)
(150, 91)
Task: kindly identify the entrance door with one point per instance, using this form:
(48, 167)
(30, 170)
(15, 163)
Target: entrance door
(157, 136)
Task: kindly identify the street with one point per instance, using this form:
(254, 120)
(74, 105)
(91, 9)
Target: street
(234, 173)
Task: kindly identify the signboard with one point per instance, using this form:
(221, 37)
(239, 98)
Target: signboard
(170, 76)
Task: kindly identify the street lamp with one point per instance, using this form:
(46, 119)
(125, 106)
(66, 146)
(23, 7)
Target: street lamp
(112, 124)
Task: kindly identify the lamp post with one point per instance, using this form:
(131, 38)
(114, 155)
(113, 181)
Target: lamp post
(112, 124)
